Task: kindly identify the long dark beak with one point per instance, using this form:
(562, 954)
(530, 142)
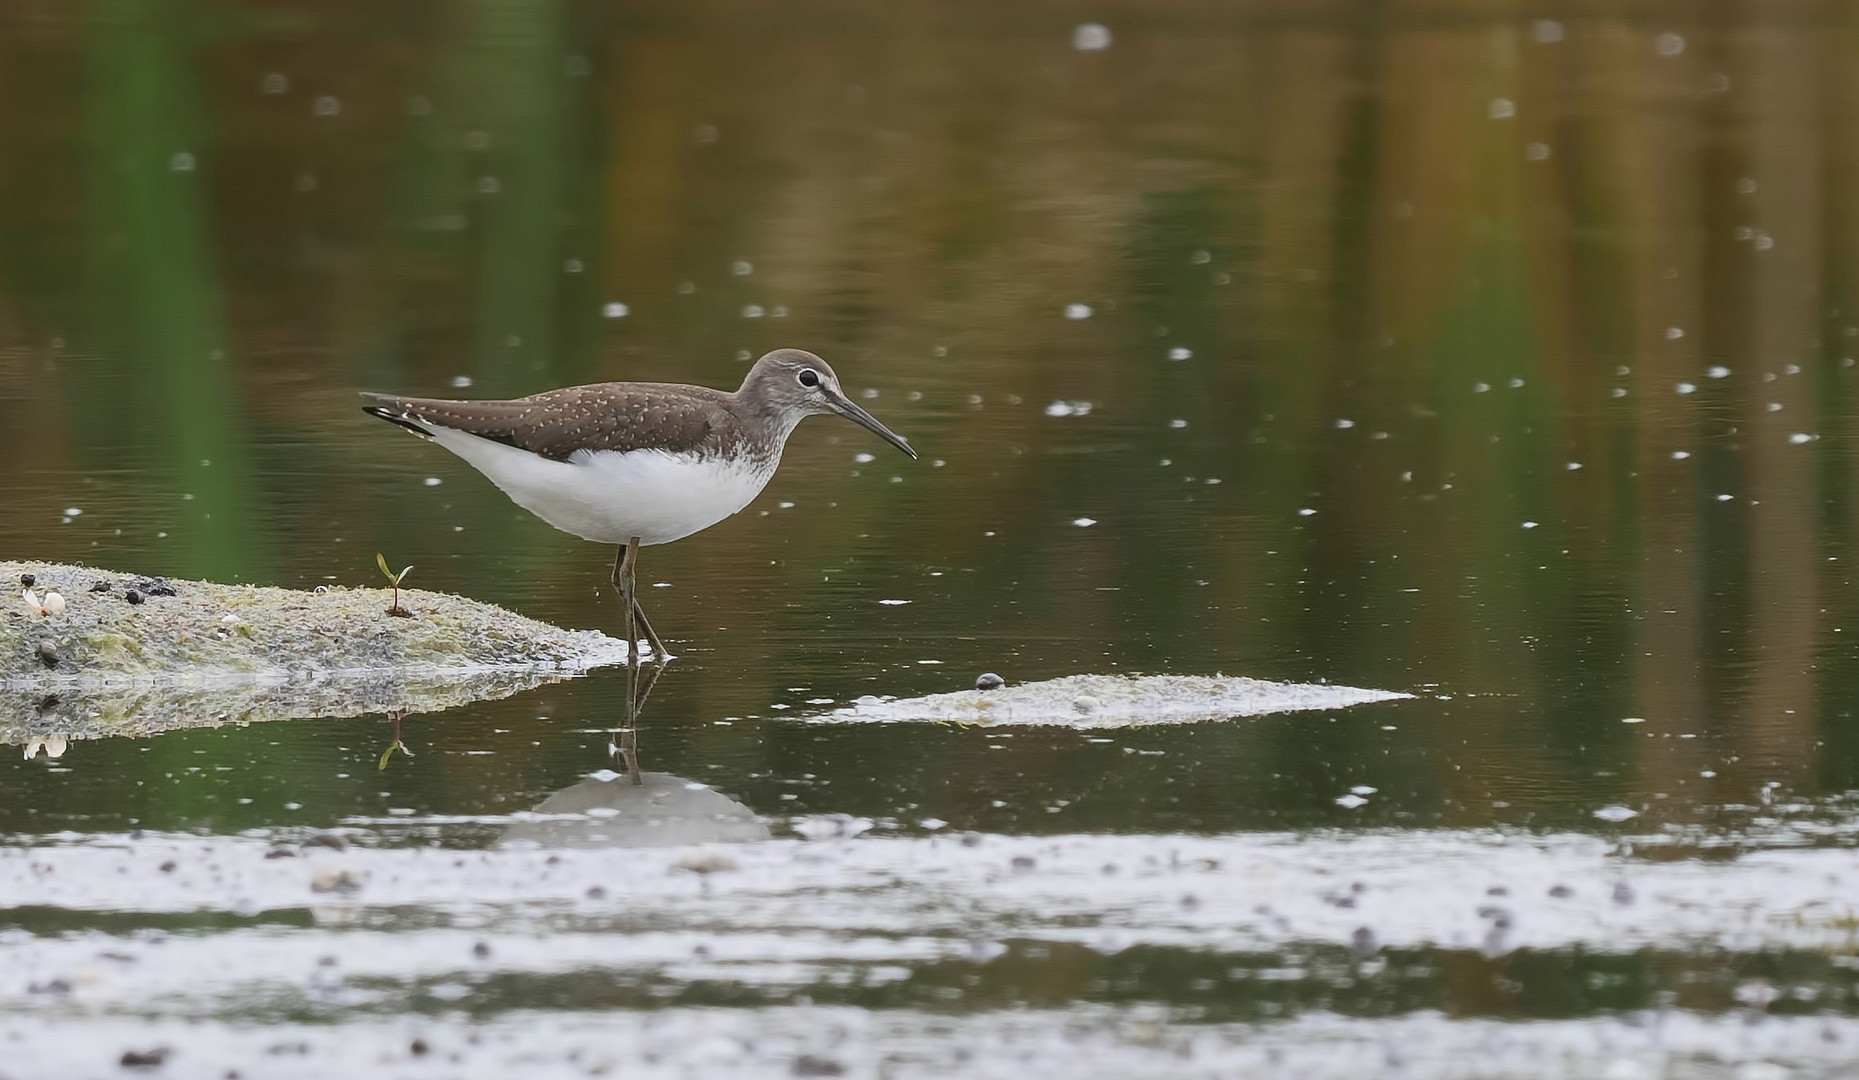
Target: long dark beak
(844, 407)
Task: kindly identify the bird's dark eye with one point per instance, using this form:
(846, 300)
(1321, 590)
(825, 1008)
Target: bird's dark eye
(808, 377)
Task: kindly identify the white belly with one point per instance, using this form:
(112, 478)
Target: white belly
(611, 497)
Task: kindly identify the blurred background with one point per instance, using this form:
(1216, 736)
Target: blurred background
(1501, 353)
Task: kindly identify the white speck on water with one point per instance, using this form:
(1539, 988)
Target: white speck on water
(1536, 151)
(1068, 408)
(1201, 257)
(615, 310)
(1363, 789)
(1515, 384)
(1350, 801)
(1529, 524)
(326, 106)
(1673, 333)
(744, 355)
(929, 661)
(893, 603)
(784, 504)
(433, 481)
(1791, 369)
(779, 311)
(1764, 241)
(1573, 466)
(870, 393)
(1084, 522)
(572, 266)
(1546, 31)
(742, 268)
(1726, 497)
(1616, 813)
(864, 458)
(1077, 311)
(1305, 512)
(1177, 423)
(275, 83)
(1344, 425)
(1618, 392)
(1668, 44)
(1718, 371)
(706, 135)
(933, 823)
(1680, 455)
(752, 311)
(461, 382)
(1800, 437)
(1180, 353)
(1633, 719)
(1501, 109)
(1090, 37)
(489, 185)
(1481, 388)
(1746, 186)
(686, 288)
(182, 162)
(1709, 774)
(1774, 406)
(1686, 388)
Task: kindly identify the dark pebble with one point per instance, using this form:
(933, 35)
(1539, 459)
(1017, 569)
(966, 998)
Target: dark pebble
(808, 1065)
(596, 892)
(481, 950)
(280, 853)
(1363, 942)
(1023, 862)
(55, 986)
(48, 654)
(1623, 893)
(989, 681)
(328, 840)
(28, 580)
(144, 1059)
(168, 867)
(160, 586)
(101, 586)
(419, 1048)
(1561, 892)
(133, 596)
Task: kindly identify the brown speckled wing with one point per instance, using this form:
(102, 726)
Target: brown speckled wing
(600, 416)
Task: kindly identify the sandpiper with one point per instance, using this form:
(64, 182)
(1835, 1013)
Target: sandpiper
(633, 463)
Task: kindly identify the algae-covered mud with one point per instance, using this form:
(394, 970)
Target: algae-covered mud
(1110, 701)
(73, 626)
(89, 653)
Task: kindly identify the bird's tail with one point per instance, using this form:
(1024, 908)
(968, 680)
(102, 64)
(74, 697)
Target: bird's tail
(394, 410)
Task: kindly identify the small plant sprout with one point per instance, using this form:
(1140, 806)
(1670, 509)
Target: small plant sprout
(52, 604)
(394, 579)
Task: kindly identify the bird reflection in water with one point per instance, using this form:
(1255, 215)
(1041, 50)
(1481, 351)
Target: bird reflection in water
(634, 808)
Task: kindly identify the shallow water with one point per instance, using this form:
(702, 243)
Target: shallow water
(1500, 361)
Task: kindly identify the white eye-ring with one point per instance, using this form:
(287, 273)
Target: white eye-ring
(808, 377)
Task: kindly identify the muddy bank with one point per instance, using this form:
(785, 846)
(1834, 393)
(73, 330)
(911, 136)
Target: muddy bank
(1108, 701)
(109, 628)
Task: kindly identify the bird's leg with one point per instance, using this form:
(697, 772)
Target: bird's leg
(623, 577)
(645, 626)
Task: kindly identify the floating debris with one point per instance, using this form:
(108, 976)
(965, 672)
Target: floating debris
(1094, 701)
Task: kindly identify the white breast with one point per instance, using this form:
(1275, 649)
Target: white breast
(610, 497)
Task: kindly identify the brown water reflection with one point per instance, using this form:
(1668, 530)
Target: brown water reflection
(1483, 320)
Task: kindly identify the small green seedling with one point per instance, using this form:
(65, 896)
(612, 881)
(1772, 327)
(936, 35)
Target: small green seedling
(394, 579)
